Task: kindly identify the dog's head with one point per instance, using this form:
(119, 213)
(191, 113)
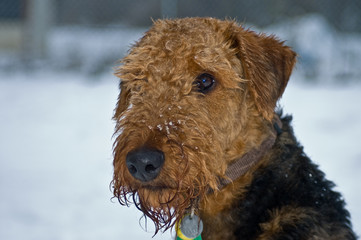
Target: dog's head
(196, 93)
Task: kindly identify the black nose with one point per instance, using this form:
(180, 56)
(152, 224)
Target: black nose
(145, 164)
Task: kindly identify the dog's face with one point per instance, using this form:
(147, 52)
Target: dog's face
(193, 91)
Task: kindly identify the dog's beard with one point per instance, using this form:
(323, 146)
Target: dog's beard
(162, 205)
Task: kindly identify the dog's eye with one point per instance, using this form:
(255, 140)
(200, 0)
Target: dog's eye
(205, 82)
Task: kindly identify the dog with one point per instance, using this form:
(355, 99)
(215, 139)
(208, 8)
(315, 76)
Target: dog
(198, 136)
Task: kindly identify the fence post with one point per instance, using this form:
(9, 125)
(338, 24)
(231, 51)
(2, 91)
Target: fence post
(39, 19)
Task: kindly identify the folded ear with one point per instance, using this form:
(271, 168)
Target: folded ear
(267, 64)
(123, 101)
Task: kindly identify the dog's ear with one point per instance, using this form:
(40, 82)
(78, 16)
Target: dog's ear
(123, 101)
(267, 65)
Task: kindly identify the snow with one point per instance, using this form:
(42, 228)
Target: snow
(324, 55)
(89, 50)
(56, 160)
(56, 134)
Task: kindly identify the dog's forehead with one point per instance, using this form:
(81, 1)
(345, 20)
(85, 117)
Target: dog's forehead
(172, 34)
(182, 48)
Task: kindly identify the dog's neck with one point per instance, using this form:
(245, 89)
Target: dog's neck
(241, 165)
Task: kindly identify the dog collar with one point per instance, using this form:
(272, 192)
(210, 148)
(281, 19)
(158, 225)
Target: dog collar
(240, 166)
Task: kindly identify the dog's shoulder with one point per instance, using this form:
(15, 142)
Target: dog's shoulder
(290, 182)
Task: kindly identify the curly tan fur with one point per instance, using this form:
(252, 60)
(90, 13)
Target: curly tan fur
(199, 133)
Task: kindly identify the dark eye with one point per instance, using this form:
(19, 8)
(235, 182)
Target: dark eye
(205, 82)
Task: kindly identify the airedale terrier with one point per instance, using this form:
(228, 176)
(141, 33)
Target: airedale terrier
(198, 137)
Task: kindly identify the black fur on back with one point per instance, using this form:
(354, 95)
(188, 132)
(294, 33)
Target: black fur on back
(291, 179)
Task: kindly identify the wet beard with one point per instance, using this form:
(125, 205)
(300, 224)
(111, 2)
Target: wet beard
(163, 206)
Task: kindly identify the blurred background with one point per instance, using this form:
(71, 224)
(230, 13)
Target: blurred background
(57, 95)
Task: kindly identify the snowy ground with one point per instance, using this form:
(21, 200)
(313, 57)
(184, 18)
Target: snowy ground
(55, 154)
(55, 160)
(56, 129)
